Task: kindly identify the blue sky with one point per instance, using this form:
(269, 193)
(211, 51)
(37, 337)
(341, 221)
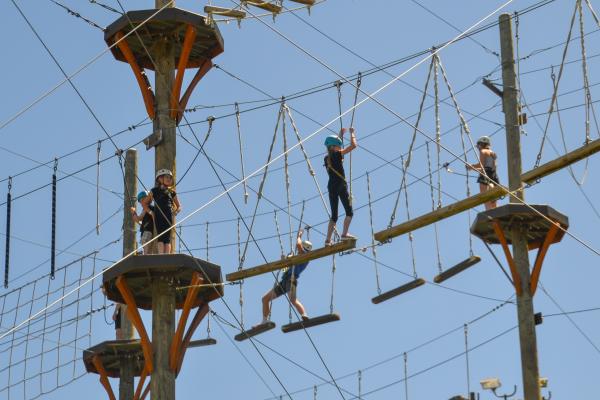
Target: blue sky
(378, 32)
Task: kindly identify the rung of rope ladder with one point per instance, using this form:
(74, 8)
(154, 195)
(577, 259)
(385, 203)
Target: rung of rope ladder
(343, 245)
(226, 12)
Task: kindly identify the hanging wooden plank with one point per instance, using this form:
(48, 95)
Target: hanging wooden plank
(398, 291)
(305, 2)
(257, 330)
(457, 269)
(309, 323)
(226, 12)
(343, 245)
(265, 5)
(202, 342)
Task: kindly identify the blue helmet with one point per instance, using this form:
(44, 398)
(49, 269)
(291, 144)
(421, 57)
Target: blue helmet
(333, 140)
(141, 195)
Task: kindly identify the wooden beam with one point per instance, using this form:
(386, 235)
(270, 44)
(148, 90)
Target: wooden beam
(186, 49)
(343, 245)
(493, 194)
(226, 12)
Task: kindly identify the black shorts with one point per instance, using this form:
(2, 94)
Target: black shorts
(493, 177)
(166, 235)
(284, 286)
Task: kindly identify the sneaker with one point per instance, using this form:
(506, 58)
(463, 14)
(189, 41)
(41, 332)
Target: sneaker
(329, 243)
(305, 317)
(348, 236)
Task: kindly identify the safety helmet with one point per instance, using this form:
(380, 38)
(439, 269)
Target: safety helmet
(306, 245)
(141, 195)
(484, 140)
(333, 140)
(162, 172)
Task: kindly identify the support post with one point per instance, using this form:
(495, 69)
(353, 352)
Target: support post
(162, 385)
(510, 99)
(126, 389)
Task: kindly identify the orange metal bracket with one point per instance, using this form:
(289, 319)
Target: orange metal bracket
(185, 312)
(539, 259)
(188, 42)
(140, 385)
(206, 66)
(140, 75)
(200, 314)
(509, 257)
(146, 391)
(103, 376)
(136, 320)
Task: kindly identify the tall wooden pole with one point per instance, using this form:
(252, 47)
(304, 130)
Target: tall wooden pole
(163, 295)
(129, 244)
(527, 334)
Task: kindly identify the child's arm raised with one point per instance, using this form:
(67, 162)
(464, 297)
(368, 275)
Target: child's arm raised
(353, 143)
(177, 204)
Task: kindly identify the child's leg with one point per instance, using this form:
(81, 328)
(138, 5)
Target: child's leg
(167, 248)
(345, 199)
(118, 334)
(333, 202)
(491, 204)
(347, 221)
(299, 307)
(266, 304)
(161, 247)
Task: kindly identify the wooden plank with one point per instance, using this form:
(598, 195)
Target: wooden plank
(398, 291)
(309, 323)
(493, 194)
(202, 342)
(257, 330)
(305, 2)
(265, 5)
(227, 12)
(457, 269)
(343, 245)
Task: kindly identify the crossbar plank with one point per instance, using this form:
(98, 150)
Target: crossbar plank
(257, 330)
(320, 320)
(202, 342)
(493, 194)
(398, 291)
(457, 269)
(343, 245)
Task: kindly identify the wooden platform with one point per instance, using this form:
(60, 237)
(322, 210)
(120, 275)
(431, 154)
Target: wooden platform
(170, 22)
(457, 269)
(398, 291)
(112, 353)
(140, 271)
(510, 214)
(343, 245)
(257, 330)
(202, 342)
(309, 323)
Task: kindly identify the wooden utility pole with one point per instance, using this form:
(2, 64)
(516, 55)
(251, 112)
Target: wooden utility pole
(163, 294)
(510, 100)
(129, 245)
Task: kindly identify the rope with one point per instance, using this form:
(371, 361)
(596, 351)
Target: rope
(206, 240)
(77, 15)
(410, 234)
(98, 187)
(555, 92)
(287, 177)
(208, 324)
(338, 86)
(405, 376)
(315, 392)
(586, 82)
(412, 143)
(437, 244)
(467, 359)
(332, 282)
(279, 234)
(210, 120)
(359, 384)
(358, 83)
(373, 248)
(593, 12)
(109, 8)
(7, 245)
(53, 233)
(438, 137)
(301, 219)
(239, 134)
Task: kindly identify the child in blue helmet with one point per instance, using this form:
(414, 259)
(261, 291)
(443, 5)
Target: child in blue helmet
(337, 186)
(146, 221)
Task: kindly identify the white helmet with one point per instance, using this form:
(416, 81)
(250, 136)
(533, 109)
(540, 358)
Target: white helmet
(306, 245)
(162, 172)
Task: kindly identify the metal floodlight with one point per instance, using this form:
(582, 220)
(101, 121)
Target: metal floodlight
(543, 382)
(490, 383)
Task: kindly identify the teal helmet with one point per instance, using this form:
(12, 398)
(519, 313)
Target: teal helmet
(333, 140)
(141, 195)
(485, 140)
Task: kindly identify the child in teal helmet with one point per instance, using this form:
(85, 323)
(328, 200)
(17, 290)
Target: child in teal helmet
(146, 221)
(337, 186)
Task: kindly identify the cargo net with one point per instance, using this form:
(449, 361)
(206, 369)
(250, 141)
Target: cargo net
(44, 353)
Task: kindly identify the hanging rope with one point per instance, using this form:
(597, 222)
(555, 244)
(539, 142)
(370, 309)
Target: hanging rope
(53, 233)
(405, 376)
(593, 12)
(411, 146)
(332, 283)
(358, 83)
(287, 177)
(437, 244)
(373, 248)
(210, 120)
(438, 136)
(7, 245)
(586, 83)
(208, 324)
(98, 187)
(555, 92)
(241, 300)
(359, 384)
(279, 234)
(338, 86)
(467, 359)
(315, 392)
(301, 219)
(462, 142)
(206, 240)
(239, 134)
(410, 234)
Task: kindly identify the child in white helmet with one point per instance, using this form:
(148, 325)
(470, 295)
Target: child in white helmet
(166, 205)
(488, 177)
(337, 186)
(146, 221)
(288, 283)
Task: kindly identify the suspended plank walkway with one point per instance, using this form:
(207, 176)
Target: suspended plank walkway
(257, 330)
(493, 194)
(343, 245)
(309, 323)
